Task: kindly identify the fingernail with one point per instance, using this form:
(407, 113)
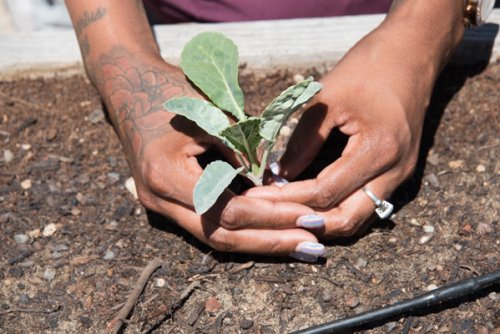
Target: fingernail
(310, 221)
(275, 167)
(310, 248)
(304, 257)
(279, 181)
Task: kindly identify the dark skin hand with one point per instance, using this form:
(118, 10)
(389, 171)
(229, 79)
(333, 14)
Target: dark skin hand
(124, 63)
(377, 96)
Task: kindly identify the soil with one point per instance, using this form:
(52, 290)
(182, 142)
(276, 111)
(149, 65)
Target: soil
(67, 169)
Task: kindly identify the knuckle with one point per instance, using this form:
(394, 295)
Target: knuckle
(229, 218)
(221, 241)
(324, 197)
(348, 226)
(391, 146)
(153, 178)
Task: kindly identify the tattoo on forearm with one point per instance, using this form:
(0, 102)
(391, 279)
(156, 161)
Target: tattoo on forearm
(89, 18)
(85, 46)
(134, 95)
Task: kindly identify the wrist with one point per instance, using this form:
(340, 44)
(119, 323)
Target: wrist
(430, 30)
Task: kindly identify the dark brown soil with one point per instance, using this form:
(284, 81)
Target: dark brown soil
(75, 280)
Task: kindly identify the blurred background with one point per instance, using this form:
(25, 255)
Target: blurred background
(35, 15)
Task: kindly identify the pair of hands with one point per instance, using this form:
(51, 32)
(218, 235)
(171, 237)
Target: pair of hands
(373, 96)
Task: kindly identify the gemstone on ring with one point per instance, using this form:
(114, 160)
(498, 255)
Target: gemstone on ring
(383, 208)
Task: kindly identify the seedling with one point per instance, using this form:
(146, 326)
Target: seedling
(210, 61)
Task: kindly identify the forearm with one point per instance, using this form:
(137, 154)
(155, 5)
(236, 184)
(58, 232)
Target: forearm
(105, 26)
(431, 30)
(122, 60)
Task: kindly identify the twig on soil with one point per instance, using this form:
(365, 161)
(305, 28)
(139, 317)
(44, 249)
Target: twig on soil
(361, 275)
(242, 267)
(470, 268)
(170, 309)
(219, 320)
(24, 310)
(115, 324)
(23, 102)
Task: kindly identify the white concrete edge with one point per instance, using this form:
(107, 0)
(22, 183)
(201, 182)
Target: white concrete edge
(297, 43)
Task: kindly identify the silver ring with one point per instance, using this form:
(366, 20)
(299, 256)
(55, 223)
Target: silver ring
(383, 208)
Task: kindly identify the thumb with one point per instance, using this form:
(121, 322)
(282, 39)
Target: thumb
(306, 141)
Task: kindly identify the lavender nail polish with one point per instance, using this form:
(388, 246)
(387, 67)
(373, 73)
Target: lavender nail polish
(304, 257)
(275, 168)
(310, 248)
(310, 221)
(279, 181)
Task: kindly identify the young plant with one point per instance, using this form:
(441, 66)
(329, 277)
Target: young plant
(210, 61)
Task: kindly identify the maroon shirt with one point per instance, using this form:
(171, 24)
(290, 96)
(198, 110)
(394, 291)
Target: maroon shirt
(176, 11)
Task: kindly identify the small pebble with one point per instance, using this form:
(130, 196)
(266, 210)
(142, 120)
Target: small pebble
(21, 238)
(390, 326)
(75, 211)
(428, 229)
(352, 301)
(456, 164)
(160, 282)
(493, 296)
(246, 324)
(458, 247)
(480, 168)
(8, 156)
(326, 296)
(36, 233)
(130, 185)
(298, 78)
(24, 299)
(16, 272)
(212, 305)
(27, 264)
(431, 287)
(26, 184)
(360, 262)
(49, 230)
(51, 134)
(433, 159)
(110, 255)
(49, 274)
(86, 321)
(26, 147)
(57, 255)
(484, 228)
(424, 239)
(96, 116)
(433, 179)
(113, 177)
(60, 248)
(415, 222)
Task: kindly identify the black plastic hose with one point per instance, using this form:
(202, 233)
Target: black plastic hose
(434, 297)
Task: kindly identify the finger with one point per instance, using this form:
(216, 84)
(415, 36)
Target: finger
(358, 164)
(306, 141)
(242, 212)
(291, 242)
(354, 213)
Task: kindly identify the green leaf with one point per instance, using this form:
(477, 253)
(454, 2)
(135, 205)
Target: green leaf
(244, 135)
(207, 116)
(289, 101)
(210, 61)
(216, 177)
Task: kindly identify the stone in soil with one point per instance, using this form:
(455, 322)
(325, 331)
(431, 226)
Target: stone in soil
(21, 238)
(246, 324)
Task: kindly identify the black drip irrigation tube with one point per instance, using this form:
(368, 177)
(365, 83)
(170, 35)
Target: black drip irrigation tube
(434, 297)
